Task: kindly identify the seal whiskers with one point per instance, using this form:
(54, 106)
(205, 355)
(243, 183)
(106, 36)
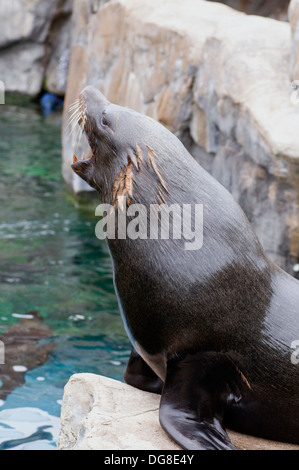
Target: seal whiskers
(77, 118)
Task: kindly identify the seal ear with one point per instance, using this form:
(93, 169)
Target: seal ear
(198, 390)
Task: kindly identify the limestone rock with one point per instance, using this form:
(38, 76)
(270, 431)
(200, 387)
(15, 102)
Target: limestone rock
(56, 72)
(22, 71)
(25, 19)
(99, 413)
(218, 79)
(25, 41)
(275, 9)
(293, 15)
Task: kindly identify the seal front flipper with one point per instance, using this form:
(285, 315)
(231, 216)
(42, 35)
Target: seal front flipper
(198, 390)
(140, 375)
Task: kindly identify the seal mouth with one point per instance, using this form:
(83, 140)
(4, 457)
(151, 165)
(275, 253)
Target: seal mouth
(79, 123)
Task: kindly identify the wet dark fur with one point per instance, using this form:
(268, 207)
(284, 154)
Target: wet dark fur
(226, 299)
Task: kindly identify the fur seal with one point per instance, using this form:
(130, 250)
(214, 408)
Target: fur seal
(213, 330)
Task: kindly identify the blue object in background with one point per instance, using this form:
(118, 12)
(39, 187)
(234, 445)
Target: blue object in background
(50, 102)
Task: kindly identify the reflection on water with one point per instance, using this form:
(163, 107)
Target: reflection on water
(25, 349)
(28, 429)
(50, 262)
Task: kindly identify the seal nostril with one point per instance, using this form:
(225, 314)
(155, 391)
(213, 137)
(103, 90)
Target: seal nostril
(104, 121)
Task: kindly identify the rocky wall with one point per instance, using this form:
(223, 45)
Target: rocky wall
(224, 82)
(34, 35)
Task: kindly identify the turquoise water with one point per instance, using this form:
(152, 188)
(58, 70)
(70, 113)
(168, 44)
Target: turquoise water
(50, 262)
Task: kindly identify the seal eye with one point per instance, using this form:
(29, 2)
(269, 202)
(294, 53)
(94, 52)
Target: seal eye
(104, 121)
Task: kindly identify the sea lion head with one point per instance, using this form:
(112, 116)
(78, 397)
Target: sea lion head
(124, 143)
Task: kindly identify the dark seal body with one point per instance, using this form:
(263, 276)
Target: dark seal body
(213, 329)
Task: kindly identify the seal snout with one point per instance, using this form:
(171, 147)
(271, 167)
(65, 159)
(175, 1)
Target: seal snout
(92, 104)
(93, 100)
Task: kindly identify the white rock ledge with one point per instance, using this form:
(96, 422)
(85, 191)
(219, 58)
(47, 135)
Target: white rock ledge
(99, 413)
